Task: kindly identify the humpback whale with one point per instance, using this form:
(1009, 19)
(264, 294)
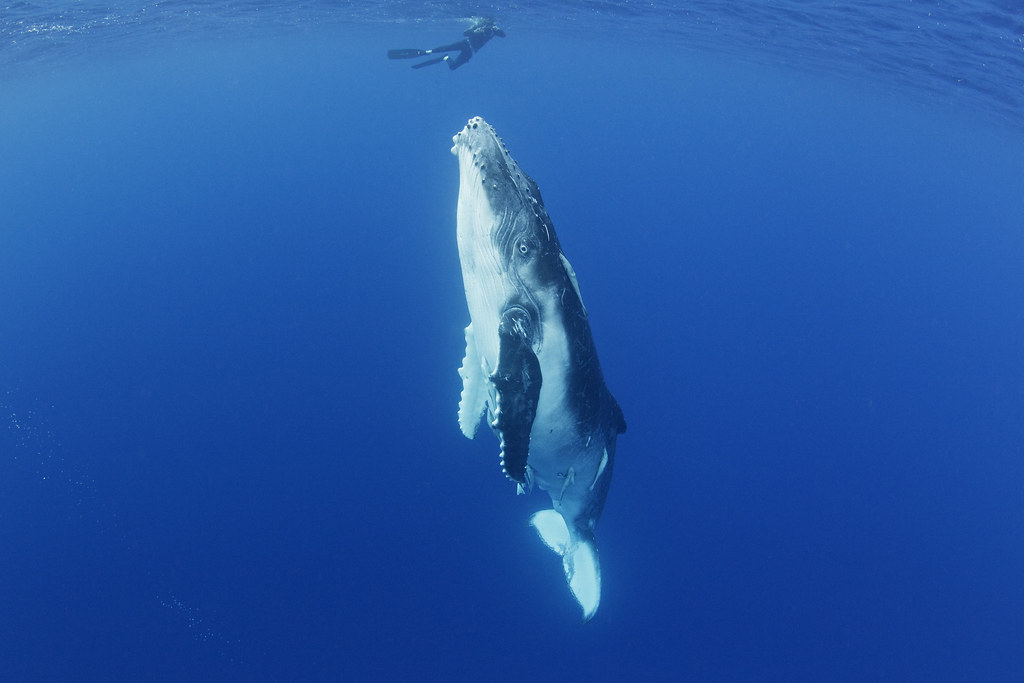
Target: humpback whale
(530, 364)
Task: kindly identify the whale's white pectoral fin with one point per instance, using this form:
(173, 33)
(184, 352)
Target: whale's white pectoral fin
(579, 559)
(474, 388)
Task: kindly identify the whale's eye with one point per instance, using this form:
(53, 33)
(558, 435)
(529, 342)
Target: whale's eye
(523, 249)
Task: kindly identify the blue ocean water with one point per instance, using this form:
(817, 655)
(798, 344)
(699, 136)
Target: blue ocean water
(231, 316)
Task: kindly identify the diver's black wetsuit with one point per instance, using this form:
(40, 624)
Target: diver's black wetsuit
(477, 36)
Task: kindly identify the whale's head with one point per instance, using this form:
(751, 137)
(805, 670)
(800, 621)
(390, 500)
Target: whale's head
(485, 162)
(507, 244)
(498, 202)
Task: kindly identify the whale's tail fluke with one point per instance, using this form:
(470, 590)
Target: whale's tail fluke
(579, 558)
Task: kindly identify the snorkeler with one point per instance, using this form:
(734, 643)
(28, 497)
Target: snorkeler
(477, 35)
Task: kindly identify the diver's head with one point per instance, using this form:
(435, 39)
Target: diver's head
(482, 24)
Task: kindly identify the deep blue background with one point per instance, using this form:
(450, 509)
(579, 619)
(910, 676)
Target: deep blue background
(231, 316)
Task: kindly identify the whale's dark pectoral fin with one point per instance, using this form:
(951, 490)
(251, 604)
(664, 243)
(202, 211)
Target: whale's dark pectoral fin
(517, 380)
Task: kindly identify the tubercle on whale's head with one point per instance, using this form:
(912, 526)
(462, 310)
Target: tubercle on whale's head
(484, 160)
(481, 151)
(476, 134)
(498, 198)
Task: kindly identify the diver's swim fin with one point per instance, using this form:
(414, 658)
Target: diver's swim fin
(435, 60)
(410, 53)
